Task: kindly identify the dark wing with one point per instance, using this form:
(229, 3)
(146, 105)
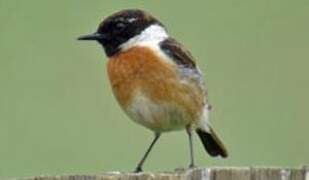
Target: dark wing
(187, 68)
(183, 58)
(178, 53)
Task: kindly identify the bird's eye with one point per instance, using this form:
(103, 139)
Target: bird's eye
(120, 26)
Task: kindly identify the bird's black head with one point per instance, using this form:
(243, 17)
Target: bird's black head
(119, 28)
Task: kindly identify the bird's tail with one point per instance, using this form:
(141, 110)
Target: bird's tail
(212, 143)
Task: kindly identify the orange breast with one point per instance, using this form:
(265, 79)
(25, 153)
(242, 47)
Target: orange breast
(139, 68)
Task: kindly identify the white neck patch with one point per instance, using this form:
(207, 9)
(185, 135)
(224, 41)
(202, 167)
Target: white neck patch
(152, 35)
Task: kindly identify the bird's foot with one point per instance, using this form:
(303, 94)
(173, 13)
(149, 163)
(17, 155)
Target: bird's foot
(138, 170)
(192, 166)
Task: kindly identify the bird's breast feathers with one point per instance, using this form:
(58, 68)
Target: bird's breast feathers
(153, 90)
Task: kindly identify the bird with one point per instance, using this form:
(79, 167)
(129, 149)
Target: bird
(155, 79)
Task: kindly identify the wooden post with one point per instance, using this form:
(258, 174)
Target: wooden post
(237, 173)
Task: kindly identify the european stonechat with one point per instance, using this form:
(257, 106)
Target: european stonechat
(155, 79)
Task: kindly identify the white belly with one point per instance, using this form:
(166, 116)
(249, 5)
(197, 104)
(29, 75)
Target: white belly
(157, 116)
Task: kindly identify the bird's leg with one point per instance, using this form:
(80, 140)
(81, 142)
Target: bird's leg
(140, 164)
(189, 132)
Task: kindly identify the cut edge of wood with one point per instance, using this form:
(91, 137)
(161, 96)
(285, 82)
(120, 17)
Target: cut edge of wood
(199, 173)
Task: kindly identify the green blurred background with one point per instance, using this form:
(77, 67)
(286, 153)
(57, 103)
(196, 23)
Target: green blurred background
(58, 114)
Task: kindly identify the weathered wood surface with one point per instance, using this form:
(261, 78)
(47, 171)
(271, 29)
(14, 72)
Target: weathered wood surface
(196, 174)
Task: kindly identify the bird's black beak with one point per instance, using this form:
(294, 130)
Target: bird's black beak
(91, 37)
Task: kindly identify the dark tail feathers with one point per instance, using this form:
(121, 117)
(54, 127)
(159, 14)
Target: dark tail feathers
(212, 143)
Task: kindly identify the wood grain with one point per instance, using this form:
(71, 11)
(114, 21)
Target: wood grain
(222, 173)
